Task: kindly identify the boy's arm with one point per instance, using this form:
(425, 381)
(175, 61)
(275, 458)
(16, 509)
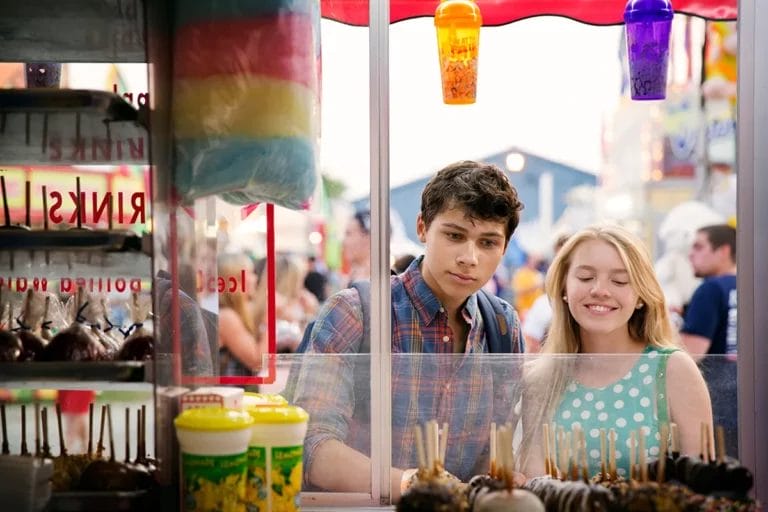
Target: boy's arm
(325, 389)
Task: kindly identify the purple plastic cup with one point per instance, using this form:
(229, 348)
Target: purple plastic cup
(648, 26)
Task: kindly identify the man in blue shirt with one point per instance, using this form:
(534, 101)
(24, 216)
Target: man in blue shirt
(709, 332)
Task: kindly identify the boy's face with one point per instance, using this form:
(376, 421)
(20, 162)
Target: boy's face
(460, 254)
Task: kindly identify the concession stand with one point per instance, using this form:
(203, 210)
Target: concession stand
(232, 119)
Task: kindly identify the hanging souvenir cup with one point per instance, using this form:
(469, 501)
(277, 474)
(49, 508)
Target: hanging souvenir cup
(458, 39)
(648, 28)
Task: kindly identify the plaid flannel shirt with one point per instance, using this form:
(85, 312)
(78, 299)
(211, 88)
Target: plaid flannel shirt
(440, 385)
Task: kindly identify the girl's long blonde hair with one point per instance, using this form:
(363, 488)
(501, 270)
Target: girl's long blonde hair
(232, 265)
(547, 377)
(289, 279)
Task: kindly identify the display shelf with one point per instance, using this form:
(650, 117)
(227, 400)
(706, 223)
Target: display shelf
(72, 31)
(70, 127)
(73, 239)
(119, 375)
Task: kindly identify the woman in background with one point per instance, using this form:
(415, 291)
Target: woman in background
(240, 343)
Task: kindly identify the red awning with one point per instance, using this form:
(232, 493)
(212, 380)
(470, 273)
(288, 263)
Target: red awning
(501, 12)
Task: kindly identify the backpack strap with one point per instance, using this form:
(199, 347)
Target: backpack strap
(498, 333)
(364, 291)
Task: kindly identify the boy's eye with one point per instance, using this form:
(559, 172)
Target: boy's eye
(454, 236)
(489, 244)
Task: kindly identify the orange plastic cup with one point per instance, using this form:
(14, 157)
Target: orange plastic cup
(458, 25)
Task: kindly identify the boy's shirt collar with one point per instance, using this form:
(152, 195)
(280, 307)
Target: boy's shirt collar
(422, 297)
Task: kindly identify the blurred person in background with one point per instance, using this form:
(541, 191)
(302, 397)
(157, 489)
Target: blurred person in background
(539, 317)
(356, 246)
(295, 306)
(710, 327)
(240, 343)
(528, 284)
(316, 280)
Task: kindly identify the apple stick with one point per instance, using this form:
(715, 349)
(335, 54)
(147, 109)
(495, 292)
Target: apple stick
(127, 435)
(663, 443)
(62, 447)
(422, 460)
(612, 454)
(6, 449)
(603, 469)
(492, 461)
(37, 430)
(46, 446)
(632, 455)
(720, 446)
(545, 438)
(24, 450)
(643, 463)
(444, 444)
(90, 430)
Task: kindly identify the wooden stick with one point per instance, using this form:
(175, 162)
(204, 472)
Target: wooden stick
(575, 437)
(37, 429)
(708, 443)
(90, 429)
(62, 447)
(100, 444)
(6, 211)
(46, 446)
(663, 443)
(584, 462)
(420, 457)
(563, 452)
(603, 469)
(45, 221)
(702, 448)
(444, 444)
(632, 455)
(127, 435)
(27, 203)
(545, 439)
(492, 461)
(430, 446)
(643, 463)
(674, 434)
(6, 449)
(553, 453)
(111, 436)
(720, 443)
(143, 438)
(612, 454)
(24, 450)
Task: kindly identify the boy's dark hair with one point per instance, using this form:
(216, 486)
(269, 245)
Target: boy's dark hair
(720, 235)
(482, 190)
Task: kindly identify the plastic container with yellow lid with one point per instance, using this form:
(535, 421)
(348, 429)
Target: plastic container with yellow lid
(214, 457)
(275, 457)
(259, 399)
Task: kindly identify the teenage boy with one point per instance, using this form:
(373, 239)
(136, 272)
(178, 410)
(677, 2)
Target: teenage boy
(469, 211)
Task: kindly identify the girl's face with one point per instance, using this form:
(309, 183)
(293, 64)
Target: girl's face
(599, 294)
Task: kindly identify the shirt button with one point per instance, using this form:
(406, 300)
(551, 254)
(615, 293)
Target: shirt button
(442, 309)
(446, 339)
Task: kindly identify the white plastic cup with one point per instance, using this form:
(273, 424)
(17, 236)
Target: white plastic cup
(275, 452)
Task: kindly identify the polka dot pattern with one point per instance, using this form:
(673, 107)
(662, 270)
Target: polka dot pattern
(624, 406)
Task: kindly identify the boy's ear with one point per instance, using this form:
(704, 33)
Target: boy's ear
(421, 229)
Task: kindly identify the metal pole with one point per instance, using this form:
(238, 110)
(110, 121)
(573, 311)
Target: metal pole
(752, 240)
(381, 364)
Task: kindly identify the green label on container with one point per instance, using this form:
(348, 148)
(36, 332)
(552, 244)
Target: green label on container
(256, 487)
(286, 478)
(214, 483)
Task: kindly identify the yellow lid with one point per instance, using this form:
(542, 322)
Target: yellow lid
(278, 414)
(260, 399)
(213, 418)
